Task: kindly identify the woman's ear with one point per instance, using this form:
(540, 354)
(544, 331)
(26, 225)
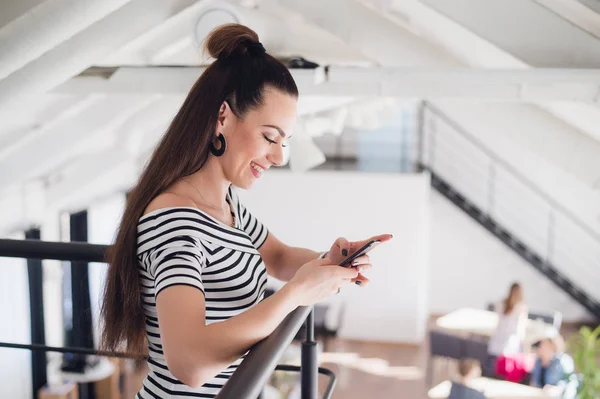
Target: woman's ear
(225, 114)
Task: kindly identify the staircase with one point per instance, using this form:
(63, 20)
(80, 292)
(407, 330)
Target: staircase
(512, 208)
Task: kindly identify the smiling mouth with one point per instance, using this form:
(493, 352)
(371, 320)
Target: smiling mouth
(257, 170)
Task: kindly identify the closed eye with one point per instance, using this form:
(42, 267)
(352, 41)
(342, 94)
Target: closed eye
(271, 141)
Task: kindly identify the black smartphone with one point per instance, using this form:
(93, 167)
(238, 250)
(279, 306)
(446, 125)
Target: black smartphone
(360, 252)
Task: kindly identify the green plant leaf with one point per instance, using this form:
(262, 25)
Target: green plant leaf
(596, 333)
(585, 347)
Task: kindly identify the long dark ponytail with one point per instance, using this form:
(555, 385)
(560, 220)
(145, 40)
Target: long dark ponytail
(239, 75)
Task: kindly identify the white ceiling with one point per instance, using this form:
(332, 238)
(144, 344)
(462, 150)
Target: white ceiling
(529, 30)
(74, 131)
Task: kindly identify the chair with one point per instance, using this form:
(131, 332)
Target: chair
(478, 349)
(555, 319)
(443, 345)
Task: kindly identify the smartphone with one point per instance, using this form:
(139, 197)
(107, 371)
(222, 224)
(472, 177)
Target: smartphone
(360, 252)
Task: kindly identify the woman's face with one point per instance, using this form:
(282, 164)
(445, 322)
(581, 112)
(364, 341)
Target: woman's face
(255, 143)
(518, 294)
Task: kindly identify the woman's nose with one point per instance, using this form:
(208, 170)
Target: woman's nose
(276, 156)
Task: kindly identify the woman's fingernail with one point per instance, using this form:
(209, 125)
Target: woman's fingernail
(358, 282)
(355, 262)
(344, 252)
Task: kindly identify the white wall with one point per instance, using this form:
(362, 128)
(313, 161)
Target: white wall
(313, 209)
(53, 291)
(470, 267)
(15, 364)
(103, 219)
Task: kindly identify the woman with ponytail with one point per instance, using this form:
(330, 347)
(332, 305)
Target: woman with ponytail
(505, 349)
(189, 265)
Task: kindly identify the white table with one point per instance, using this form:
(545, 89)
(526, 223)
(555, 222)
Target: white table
(100, 371)
(492, 389)
(479, 321)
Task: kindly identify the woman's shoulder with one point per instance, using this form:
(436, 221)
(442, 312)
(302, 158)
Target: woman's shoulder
(168, 200)
(565, 359)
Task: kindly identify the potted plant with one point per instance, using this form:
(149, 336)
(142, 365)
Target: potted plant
(585, 347)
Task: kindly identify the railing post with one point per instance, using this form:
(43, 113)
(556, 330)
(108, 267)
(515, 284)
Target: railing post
(309, 366)
(36, 305)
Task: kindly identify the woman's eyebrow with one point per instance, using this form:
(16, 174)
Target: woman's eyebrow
(281, 132)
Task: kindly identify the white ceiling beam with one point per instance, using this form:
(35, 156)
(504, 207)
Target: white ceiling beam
(45, 26)
(185, 32)
(94, 177)
(530, 30)
(576, 13)
(12, 10)
(407, 82)
(364, 28)
(83, 49)
(49, 147)
(144, 48)
(90, 176)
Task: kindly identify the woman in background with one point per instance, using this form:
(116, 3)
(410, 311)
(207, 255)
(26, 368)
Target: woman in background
(509, 335)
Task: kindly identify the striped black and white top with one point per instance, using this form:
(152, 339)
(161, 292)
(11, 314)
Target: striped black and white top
(186, 246)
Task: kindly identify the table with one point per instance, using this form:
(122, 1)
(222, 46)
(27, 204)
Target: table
(103, 369)
(481, 322)
(493, 389)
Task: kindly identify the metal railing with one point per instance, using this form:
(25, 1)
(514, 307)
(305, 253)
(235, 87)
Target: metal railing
(504, 194)
(253, 372)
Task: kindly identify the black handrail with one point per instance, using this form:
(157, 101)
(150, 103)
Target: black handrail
(519, 176)
(68, 251)
(69, 349)
(87, 351)
(253, 373)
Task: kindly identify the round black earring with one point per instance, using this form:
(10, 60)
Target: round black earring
(217, 152)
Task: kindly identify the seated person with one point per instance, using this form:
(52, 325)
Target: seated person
(468, 369)
(554, 369)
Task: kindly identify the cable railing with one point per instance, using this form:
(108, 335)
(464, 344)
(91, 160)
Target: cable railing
(568, 248)
(250, 377)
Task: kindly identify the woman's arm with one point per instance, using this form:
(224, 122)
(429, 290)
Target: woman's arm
(281, 260)
(195, 352)
(522, 323)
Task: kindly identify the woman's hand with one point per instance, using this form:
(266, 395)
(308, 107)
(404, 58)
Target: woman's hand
(343, 248)
(319, 279)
